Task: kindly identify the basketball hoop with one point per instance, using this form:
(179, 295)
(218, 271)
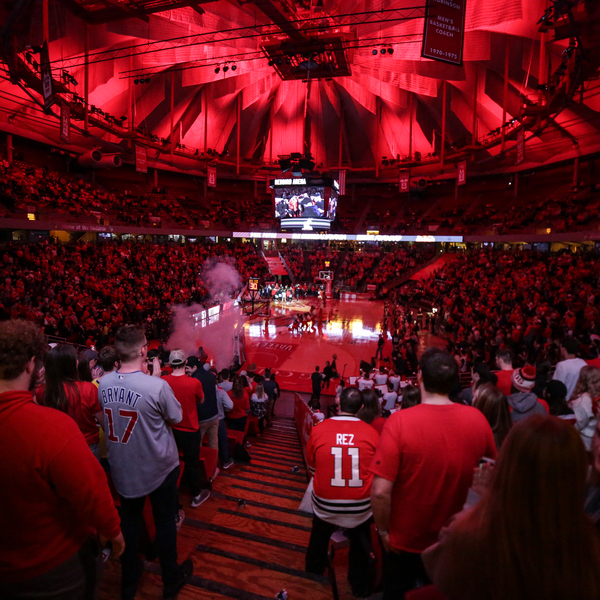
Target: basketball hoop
(325, 275)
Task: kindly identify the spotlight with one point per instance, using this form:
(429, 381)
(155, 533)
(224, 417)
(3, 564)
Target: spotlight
(383, 51)
(147, 79)
(225, 69)
(374, 51)
(271, 62)
(218, 70)
(136, 81)
(233, 67)
(390, 51)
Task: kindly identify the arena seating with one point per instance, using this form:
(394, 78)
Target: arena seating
(82, 290)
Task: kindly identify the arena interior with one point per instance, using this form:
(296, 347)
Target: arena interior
(299, 197)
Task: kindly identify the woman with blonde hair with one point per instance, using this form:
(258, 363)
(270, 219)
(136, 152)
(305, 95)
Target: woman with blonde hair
(494, 406)
(528, 538)
(586, 391)
(258, 406)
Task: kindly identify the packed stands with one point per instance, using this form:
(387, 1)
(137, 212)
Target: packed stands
(81, 290)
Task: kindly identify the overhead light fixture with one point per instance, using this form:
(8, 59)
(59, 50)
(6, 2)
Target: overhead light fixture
(136, 81)
(218, 70)
(225, 69)
(390, 51)
(374, 51)
(233, 67)
(383, 51)
(147, 79)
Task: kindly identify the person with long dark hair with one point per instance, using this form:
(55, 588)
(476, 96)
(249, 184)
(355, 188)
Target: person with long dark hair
(236, 419)
(64, 391)
(493, 404)
(528, 538)
(370, 411)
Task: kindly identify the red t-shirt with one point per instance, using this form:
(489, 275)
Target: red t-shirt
(378, 424)
(241, 406)
(83, 405)
(340, 451)
(188, 391)
(430, 452)
(504, 381)
(54, 492)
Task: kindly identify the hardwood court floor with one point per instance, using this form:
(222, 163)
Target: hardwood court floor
(349, 328)
(248, 552)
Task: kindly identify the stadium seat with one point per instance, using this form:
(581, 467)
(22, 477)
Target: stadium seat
(252, 425)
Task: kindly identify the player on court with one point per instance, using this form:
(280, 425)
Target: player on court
(339, 452)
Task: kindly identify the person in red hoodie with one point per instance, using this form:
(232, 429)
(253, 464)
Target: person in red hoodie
(54, 495)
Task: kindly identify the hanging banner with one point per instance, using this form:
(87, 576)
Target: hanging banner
(46, 71)
(141, 159)
(403, 181)
(462, 173)
(211, 176)
(342, 182)
(65, 123)
(520, 146)
(444, 33)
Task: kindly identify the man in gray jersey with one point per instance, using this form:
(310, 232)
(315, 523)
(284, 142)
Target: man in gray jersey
(138, 411)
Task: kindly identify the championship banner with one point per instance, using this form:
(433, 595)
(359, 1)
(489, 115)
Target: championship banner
(403, 181)
(342, 182)
(141, 159)
(65, 123)
(211, 176)
(444, 33)
(462, 173)
(520, 146)
(46, 71)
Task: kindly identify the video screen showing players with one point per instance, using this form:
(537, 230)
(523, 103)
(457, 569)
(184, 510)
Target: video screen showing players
(299, 202)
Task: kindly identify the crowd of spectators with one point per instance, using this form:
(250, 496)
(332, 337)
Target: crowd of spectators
(356, 267)
(81, 291)
(396, 262)
(488, 299)
(27, 188)
(294, 258)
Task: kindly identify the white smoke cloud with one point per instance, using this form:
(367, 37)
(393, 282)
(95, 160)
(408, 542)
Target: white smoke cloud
(221, 279)
(216, 337)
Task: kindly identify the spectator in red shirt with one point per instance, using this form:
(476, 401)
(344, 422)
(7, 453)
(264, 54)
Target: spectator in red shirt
(53, 492)
(423, 469)
(189, 393)
(504, 361)
(64, 391)
(237, 416)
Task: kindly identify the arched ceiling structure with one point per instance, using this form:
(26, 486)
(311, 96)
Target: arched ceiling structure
(374, 113)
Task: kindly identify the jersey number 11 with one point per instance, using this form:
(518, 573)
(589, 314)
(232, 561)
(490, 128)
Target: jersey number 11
(337, 480)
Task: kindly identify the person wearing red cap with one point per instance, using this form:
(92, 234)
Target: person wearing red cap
(523, 401)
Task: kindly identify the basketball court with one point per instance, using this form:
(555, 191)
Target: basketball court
(348, 328)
